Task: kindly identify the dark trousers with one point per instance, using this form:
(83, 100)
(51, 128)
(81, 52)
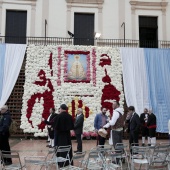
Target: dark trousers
(4, 145)
(79, 142)
(55, 138)
(101, 140)
(117, 137)
(145, 132)
(152, 132)
(133, 137)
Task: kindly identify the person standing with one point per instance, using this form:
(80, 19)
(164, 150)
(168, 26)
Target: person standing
(49, 123)
(100, 120)
(54, 125)
(116, 123)
(144, 128)
(63, 125)
(5, 123)
(152, 127)
(133, 125)
(78, 128)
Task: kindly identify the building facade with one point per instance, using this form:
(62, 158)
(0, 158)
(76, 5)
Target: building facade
(114, 19)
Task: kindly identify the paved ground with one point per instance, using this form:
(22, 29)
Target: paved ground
(34, 147)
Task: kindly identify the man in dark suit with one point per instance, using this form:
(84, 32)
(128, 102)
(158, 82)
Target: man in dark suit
(78, 128)
(144, 128)
(133, 125)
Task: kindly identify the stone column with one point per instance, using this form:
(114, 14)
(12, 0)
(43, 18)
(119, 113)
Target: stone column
(33, 10)
(68, 24)
(133, 19)
(45, 16)
(164, 31)
(100, 19)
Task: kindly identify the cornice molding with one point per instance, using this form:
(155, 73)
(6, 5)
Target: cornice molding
(23, 2)
(148, 5)
(86, 1)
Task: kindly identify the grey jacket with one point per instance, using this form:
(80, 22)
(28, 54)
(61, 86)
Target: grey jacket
(78, 125)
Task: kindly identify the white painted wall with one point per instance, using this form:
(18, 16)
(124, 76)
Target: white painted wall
(57, 18)
(60, 18)
(110, 19)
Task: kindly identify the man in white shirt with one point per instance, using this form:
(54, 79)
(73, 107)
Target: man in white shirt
(116, 123)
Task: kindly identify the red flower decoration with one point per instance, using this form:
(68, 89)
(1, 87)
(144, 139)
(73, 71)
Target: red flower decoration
(105, 61)
(80, 104)
(47, 96)
(109, 93)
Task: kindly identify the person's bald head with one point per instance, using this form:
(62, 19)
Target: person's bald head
(150, 111)
(79, 110)
(4, 108)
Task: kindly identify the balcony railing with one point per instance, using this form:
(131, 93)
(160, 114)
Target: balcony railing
(84, 41)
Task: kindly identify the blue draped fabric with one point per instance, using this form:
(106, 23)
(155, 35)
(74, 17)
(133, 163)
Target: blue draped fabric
(158, 78)
(2, 59)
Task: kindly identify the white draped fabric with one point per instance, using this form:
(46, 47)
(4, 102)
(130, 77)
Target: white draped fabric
(134, 78)
(14, 56)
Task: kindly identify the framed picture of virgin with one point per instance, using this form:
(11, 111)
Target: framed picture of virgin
(78, 66)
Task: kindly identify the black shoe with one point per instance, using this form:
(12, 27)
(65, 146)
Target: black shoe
(75, 151)
(47, 141)
(149, 144)
(143, 144)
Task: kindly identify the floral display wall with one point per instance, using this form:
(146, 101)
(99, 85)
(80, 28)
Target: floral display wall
(84, 77)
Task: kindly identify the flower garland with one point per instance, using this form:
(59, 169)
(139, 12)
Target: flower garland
(46, 84)
(94, 66)
(59, 68)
